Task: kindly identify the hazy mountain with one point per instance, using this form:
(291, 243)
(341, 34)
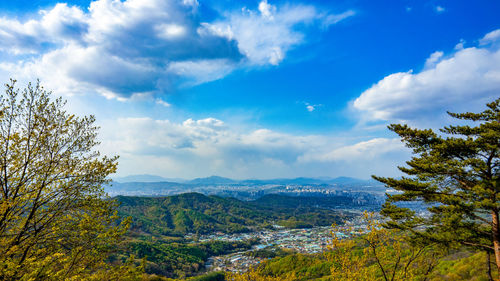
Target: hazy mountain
(347, 180)
(284, 181)
(145, 188)
(242, 189)
(305, 181)
(212, 180)
(146, 178)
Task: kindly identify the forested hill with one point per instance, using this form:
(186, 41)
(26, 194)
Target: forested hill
(196, 213)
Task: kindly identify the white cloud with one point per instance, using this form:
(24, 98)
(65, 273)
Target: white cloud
(335, 18)
(491, 37)
(62, 23)
(162, 102)
(192, 3)
(311, 107)
(118, 49)
(439, 9)
(170, 31)
(264, 37)
(464, 80)
(366, 150)
(460, 45)
(209, 146)
(124, 48)
(200, 71)
(267, 10)
(433, 59)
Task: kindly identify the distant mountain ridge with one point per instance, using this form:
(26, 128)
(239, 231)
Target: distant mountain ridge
(217, 180)
(146, 178)
(212, 180)
(243, 189)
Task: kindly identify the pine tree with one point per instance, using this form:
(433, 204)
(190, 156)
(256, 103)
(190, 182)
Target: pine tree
(456, 175)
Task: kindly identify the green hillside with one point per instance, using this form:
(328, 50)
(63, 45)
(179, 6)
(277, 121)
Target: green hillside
(172, 259)
(196, 213)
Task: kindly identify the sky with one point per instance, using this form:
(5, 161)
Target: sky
(256, 89)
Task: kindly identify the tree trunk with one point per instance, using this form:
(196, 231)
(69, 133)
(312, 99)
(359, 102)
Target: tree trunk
(488, 260)
(496, 238)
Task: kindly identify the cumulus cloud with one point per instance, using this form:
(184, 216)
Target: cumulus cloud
(464, 80)
(433, 59)
(491, 37)
(61, 24)
(124, 48)
(209, 146)
(267, 10)
(264, 36)
(170, 31)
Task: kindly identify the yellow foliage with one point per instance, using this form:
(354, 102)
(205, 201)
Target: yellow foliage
(349, 263)
(55, 221)
(379, 254)
(253, 275)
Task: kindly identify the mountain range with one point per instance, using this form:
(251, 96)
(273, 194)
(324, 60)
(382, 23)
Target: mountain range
(216, 180)
(149, 185)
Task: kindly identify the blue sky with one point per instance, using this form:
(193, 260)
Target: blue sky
(256, 89)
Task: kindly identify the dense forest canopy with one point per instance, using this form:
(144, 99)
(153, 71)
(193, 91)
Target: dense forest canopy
(200, 214)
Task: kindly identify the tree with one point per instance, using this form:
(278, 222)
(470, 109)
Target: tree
(254, 275)
(380, 254)
(55, 221)
(455, 174)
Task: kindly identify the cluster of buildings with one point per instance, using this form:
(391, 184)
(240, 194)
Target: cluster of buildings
(311, 240)
(307, 241)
